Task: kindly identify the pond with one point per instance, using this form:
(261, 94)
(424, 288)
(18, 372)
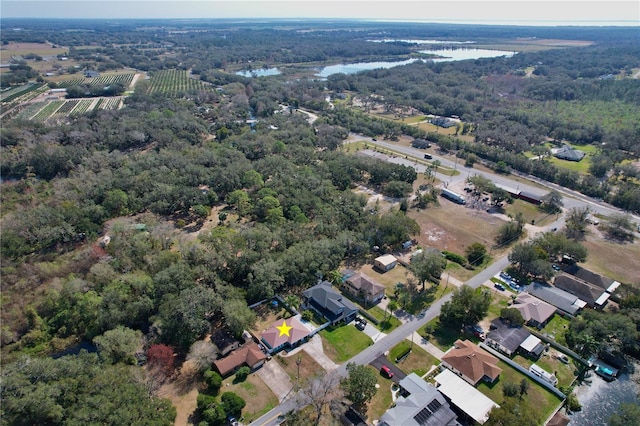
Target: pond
(443, 55)
(261, 72)
(601, 398)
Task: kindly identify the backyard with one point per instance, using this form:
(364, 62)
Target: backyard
(539, 399)
(382, 400)
(259, 397)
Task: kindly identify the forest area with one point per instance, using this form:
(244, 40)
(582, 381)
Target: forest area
(133, 230)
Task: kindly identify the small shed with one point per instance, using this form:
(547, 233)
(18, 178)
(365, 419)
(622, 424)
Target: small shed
(385, 263)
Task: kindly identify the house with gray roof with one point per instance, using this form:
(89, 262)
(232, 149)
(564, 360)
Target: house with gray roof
(595, 297)
(328, 303)
(505, 338)
(568, 153)
(419, 404)
(566, 303)
(592, 278)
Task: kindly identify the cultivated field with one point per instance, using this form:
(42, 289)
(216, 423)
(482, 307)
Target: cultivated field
(176, 82)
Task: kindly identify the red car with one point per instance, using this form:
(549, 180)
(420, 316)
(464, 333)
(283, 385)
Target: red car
(386, 371)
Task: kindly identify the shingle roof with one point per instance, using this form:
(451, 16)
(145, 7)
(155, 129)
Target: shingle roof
(585, 291)
(506, 336)
(533, 308)
(590, 277)
(249, 354)
(472, 362)
(274, 338)
(562, 300)
(362, 282)
(325, 297)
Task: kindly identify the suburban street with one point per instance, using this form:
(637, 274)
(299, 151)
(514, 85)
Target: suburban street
(570, 199)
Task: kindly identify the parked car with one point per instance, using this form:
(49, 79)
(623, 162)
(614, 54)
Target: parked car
(499, 286)
(386, 371)
(556, 267)
(428, 156)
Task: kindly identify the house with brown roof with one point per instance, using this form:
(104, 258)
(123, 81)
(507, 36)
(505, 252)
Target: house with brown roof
(471, 363)
(284, 333)
(250, 355)
(534, 311)
(364, 288)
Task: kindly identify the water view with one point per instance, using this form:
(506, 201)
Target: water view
(261, 72)
(601, 399)
(444, 55)
(391, 40)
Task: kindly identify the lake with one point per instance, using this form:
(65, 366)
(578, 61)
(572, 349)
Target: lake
(601, 399)
(445, 55)
(261, 72)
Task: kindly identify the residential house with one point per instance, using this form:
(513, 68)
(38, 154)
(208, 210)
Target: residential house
(471, 363)
(443, 122)
(385, 263)
(535, 312)
(328, 303)
(568, 153)
(364, 288)
(530, 197)
(418, 404)
(595, 297)
(567, 303)
(464, 397)
(91, 73)
(592, 278)
(284, 334)
(505, 338)
(224, 341)
(558, 419)
(250, 355)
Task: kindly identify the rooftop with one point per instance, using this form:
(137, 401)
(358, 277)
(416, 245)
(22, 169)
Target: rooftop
(464, 396)
(585, 291)
(362, 282)
(473, 362)
(533, 308)
(249, 354)
(507, 336)
(562, 300)
(289, 330)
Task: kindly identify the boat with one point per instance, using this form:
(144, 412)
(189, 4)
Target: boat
(606, 373)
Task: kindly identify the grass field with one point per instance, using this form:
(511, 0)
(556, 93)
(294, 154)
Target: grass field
(382, 400)
(308, 367)
(613, 260)
(342, 343)
(418, 361)
(556, 329)
(259, 397)
(543, 401)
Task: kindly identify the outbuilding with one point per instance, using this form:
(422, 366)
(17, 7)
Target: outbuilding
(385, 263)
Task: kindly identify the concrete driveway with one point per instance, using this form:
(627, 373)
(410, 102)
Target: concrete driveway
(276, 378)
(373, 332)
(314, 348)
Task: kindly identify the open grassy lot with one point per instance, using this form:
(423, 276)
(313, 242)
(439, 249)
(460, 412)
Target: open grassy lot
(530, 212)
(388, 279)
(387, 321)
(382, 400)
(452, 227)
(418, 361)
(23, 49)
(444, 337)
(259, 397)
(308, 367)
(613, 260)
(538, 398)
(342, 343)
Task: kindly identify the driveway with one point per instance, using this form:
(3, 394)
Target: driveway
(382, 360)
(426, 345)
(373, 332)
(276, 378)
(314, 348)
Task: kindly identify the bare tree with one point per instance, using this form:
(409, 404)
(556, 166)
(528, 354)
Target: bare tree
(319, 393)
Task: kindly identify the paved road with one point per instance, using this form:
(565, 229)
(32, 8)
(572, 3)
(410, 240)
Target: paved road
(571, 199)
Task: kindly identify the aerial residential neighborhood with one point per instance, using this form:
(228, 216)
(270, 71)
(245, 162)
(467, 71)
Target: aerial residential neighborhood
(319, 214)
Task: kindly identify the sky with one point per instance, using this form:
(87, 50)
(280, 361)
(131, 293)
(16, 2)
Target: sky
(507, 12)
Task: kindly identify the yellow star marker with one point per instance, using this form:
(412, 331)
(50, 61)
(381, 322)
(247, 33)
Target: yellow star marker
(284, 328)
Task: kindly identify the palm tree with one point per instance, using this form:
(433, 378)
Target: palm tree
(391, 306)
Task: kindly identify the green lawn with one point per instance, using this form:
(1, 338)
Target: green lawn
(444, 337)
(418, 361)
(344, 342)
(382, 400)
(387, 322)
(537, 397)
(556, 329)
(563, 372)
(530, 212)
